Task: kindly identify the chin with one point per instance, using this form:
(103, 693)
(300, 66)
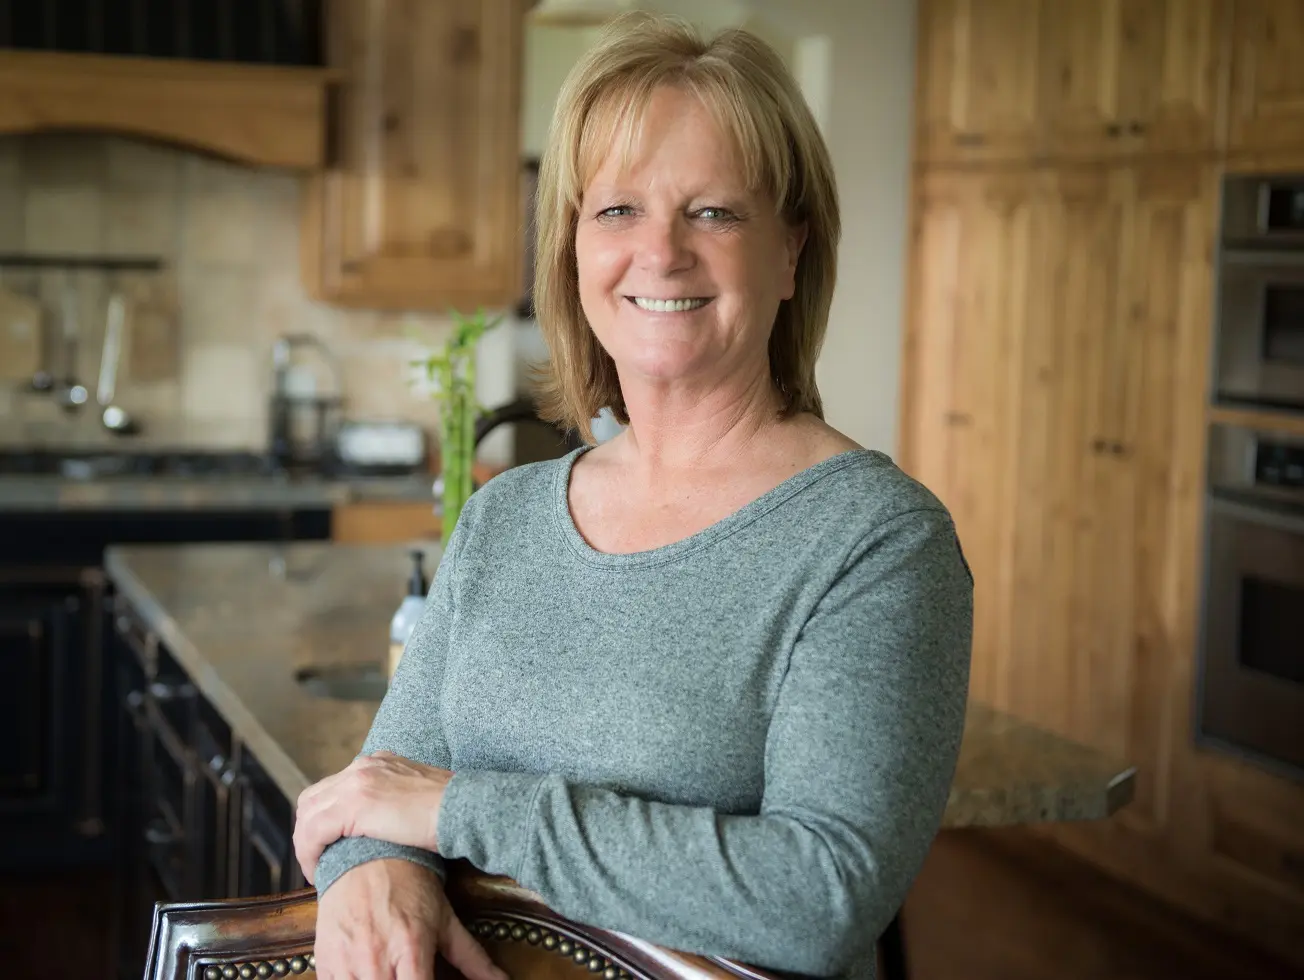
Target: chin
(659, 364)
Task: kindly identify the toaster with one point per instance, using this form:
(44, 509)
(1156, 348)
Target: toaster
(381, 448)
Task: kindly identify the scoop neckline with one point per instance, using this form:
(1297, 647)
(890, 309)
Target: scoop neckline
(747, 514)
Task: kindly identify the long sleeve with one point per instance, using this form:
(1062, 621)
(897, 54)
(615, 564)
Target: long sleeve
(407, 722)
(859, 756)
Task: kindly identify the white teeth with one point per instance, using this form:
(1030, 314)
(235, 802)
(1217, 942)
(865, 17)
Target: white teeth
(668, 305)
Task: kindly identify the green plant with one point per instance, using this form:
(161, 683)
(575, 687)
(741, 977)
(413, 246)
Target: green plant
(451, 371)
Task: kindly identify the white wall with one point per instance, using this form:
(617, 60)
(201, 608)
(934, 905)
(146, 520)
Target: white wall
(550, 52)
(855, 60)
(870, 47)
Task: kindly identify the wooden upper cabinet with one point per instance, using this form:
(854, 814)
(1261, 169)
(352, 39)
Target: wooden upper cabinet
(1267, 89)
(977, 79)
(1021, 80)
(1124, 77)
(420, 207)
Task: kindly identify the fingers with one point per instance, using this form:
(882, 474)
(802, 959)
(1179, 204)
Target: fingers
(307, 817)
(419, 961)
(461, 950)
(313, 833)
(310, 840)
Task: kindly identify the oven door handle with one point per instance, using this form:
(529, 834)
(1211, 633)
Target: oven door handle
(1274, 516)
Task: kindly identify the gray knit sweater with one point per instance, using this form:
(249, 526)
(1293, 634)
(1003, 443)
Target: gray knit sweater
(738, 744)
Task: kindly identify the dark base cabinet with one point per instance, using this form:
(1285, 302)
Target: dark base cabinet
(200, 818)
(265, 844)
(50, 745)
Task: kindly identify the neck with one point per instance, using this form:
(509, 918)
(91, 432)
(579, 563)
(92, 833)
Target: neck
(673, 429)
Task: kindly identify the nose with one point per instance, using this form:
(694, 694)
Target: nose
(664, 245)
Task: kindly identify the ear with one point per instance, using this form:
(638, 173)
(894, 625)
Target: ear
(794, 241)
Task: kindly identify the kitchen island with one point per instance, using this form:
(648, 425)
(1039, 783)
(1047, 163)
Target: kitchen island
(252, 671)
(261, 629)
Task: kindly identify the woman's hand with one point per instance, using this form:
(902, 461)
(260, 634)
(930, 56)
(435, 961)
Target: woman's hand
(386, 920)
(382, 796)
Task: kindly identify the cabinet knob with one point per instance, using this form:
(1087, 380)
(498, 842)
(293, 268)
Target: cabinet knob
(1114, 129)
(160, 834)
(135, 701)
(1108, 447)
(171, 692)
(1136, 128)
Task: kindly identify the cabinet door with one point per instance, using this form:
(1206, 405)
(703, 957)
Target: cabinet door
(42, 769)
(1056, 368)
(30, 673)
(1267, 98)
(977, 79)
(420, 209)
(264, 845)
(973, 254)
(1173, 70)
(1123, 77)
(1155, 391)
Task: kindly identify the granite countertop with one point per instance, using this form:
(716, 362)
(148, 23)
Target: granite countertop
(53, 493)
(243, 619)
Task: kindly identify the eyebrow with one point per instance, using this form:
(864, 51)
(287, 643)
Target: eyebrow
(719, 194)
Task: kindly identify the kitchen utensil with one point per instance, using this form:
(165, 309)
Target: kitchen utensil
(20, 336)
(113, 417)
(70, 393)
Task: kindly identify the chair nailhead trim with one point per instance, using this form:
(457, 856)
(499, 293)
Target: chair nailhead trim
(261, 968)
(555, 942)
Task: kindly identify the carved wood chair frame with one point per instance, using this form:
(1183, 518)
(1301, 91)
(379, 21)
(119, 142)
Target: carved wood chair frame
(272, 936)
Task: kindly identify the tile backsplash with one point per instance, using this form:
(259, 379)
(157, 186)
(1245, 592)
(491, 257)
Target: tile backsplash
(228, 239)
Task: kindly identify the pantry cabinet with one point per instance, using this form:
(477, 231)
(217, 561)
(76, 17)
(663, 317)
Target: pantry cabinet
(420, 205)
(1053, 400)
(1039, 300)
(1067, 177)
(1054, 381)
(1019, 80)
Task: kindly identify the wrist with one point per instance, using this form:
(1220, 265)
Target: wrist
(432, 828)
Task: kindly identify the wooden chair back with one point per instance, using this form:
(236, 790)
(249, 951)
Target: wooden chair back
(272, 936)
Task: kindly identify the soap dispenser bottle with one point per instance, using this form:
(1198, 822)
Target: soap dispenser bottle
(408, 612)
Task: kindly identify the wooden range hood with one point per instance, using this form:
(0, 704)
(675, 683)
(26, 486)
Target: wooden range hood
(264, 115)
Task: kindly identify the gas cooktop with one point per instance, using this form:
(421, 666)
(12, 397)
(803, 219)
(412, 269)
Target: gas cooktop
(136, 464)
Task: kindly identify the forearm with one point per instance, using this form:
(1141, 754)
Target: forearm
(794, 890)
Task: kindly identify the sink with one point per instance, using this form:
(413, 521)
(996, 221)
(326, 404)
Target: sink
(345, 682)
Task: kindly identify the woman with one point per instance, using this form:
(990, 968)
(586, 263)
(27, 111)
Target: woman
(703, 683)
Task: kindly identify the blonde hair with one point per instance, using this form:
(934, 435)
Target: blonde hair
(745, 85)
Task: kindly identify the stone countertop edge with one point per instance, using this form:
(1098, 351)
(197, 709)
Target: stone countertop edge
(1065, 781)
(28, 494)
(272, 757)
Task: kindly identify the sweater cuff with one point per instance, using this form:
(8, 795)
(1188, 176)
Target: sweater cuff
(485, 818)
(349, 852)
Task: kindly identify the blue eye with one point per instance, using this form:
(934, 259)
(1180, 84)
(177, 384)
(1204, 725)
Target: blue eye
(715, 214)
(617, 211)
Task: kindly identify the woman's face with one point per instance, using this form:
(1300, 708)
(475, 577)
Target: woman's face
(681, 267)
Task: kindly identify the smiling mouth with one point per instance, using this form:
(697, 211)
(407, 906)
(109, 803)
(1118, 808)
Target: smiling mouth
(667, 305)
